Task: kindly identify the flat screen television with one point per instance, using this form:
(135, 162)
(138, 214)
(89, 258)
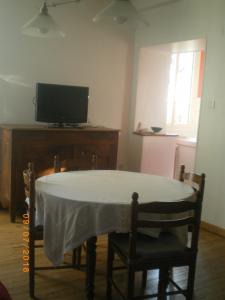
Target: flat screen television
(61, 104)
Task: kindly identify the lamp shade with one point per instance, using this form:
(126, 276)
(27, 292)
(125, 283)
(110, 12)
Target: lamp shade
(119, 10)
(42, 25)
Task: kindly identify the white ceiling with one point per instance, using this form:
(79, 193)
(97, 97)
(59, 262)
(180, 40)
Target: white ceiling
(150, 4)
(139, 4)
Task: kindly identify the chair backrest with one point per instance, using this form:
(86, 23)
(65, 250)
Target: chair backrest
(195, 180)
(64, 165)
(29, 182)
(167, 215)
(70, 164)
(29, 176)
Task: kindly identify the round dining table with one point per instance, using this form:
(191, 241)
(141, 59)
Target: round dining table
(78, 206)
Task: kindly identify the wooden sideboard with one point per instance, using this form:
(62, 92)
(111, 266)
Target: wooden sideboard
(91, 147)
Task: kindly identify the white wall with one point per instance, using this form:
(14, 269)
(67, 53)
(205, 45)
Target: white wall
(95, 55)
(152, 87)
(187, 20)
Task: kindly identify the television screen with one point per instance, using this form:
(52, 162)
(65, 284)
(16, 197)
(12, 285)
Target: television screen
(61, 103)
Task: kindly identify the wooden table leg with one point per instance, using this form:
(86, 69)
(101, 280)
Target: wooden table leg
(90, 267)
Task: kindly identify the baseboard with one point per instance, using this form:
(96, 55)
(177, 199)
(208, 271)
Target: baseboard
(213, 228)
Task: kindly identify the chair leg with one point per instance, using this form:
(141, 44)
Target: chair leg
(171, 286)
(163, 282)
(110, 259)
(31, 268)
(191, 280)
(74, 258)
(130, 283)
(144, 279)
(171, 273)
(79, 251)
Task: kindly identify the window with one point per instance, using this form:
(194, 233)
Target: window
(182, 101)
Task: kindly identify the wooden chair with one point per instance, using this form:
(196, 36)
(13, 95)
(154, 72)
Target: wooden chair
(35, 232)
(196, 181)
(139, 252)
(63, 165)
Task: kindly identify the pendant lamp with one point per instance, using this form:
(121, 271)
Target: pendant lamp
(43, 25)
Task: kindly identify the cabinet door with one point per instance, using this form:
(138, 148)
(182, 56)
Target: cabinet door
(93, 156)
(5, 169)
(158, 155)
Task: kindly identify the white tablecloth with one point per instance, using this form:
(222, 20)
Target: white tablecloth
(74, 206)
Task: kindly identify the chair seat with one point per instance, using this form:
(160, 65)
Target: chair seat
(166, 245)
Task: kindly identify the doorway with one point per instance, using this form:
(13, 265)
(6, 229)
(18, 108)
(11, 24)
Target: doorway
(169, 91)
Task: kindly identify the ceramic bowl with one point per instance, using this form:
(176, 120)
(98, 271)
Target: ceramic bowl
(156, 129)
